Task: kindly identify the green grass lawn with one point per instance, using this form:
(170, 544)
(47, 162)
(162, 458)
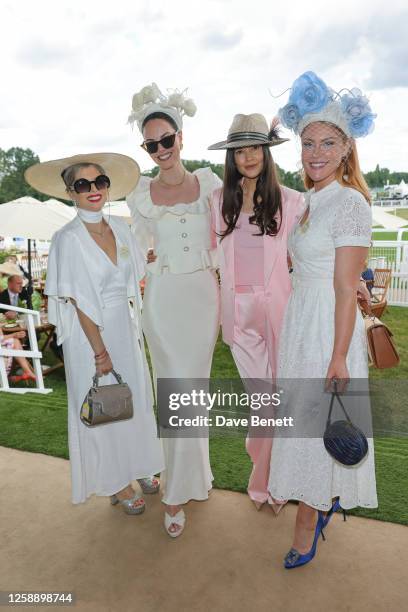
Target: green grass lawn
(391, 235)
(402, 212)
(38, 423)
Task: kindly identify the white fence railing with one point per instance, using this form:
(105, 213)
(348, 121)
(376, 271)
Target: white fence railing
(399, 203)
(38, 265)
(30, 318)
(392, 254)
(397, 294)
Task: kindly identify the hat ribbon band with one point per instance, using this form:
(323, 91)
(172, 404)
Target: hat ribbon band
(248, 136)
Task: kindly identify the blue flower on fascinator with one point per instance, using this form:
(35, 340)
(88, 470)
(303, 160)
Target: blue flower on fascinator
(289, 116)
(309, 94)
(358, 113)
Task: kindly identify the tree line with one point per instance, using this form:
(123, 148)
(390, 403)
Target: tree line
(14, 161)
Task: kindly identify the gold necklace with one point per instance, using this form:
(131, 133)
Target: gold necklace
(102, 233)
(173, 184)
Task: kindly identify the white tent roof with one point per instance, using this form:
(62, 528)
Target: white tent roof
(29, 218)
(118, 209)
(63, 209)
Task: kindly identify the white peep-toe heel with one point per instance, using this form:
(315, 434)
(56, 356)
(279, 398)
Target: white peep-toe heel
(178, 519)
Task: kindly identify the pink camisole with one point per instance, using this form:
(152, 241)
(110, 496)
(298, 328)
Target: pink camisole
(248, 253)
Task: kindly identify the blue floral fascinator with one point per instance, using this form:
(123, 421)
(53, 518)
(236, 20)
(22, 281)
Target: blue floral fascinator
(312, 100)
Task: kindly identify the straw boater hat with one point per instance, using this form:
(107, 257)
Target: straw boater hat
(247, 131)
(122, 171)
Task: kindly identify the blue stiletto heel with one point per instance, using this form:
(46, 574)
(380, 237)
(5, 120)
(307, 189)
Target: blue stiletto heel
(294, 558)
(336, 506)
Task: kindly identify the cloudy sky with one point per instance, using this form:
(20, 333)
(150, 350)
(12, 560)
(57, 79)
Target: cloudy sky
(69, 69)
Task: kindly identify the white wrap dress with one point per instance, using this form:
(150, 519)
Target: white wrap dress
(181, 314)
(104, 459)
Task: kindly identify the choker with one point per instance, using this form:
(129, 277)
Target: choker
(89, 216)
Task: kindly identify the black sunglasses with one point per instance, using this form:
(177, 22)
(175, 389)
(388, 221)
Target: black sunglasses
(82, 185)
(166, 142)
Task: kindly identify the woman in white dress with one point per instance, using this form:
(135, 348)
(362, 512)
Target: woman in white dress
(323, 334)
(180, 317)
(94, 268)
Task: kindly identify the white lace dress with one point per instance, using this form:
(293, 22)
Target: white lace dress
(302, 468)
(180, 315)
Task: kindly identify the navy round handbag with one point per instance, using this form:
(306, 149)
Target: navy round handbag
(344, 441)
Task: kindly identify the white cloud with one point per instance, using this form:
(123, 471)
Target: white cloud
(69, 70)
(216, 39)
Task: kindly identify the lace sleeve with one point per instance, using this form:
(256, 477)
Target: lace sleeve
(352, 221)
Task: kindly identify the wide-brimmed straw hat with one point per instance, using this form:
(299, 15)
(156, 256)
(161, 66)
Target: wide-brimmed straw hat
(123, 172)
(10, 269)
(247, 131)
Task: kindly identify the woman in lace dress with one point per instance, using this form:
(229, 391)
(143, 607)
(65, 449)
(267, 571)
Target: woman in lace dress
(180, 316)
(323, 335)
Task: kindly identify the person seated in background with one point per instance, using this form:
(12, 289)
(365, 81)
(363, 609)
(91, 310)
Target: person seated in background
(14, 292)
(368, 277)
(12, 341)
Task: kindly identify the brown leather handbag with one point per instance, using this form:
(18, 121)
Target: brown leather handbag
(382, 352)
(107, 404)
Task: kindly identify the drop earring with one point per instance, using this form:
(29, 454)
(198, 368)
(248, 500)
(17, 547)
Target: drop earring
(109, 204)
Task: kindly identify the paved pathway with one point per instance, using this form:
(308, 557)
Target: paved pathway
(228, 559)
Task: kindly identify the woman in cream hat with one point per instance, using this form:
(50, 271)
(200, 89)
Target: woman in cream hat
(323, 336)
(253, 217)
(94, 268)
(171, 215)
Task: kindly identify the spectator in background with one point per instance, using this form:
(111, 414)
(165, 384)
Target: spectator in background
(368, 277)
(12, 341)
(15, 288)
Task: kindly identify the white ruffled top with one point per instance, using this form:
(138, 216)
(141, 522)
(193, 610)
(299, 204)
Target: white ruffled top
(180, 235)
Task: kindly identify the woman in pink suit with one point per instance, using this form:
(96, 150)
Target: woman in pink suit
(252, 217)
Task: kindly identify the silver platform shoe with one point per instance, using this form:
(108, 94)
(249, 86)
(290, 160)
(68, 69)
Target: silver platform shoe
(129, 505)
(149, 485)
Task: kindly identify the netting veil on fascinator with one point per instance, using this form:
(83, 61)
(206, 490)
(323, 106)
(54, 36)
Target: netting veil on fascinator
(151, 100)
(312, 100)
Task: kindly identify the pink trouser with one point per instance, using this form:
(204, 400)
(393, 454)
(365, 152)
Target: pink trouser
(254, 351)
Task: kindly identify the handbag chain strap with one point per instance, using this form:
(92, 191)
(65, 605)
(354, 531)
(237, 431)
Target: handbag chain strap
(95, 380)
(335, 394)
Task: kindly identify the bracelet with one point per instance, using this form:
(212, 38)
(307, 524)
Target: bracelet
(102, 359)
(100, 355)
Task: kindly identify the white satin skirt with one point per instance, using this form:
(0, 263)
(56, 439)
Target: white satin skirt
(180, 319)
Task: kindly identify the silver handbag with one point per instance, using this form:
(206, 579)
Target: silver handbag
(107, 404)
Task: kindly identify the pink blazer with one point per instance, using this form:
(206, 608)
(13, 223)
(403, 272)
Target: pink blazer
(276, 276)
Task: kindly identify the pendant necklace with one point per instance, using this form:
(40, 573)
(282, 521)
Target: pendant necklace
(173, 184)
